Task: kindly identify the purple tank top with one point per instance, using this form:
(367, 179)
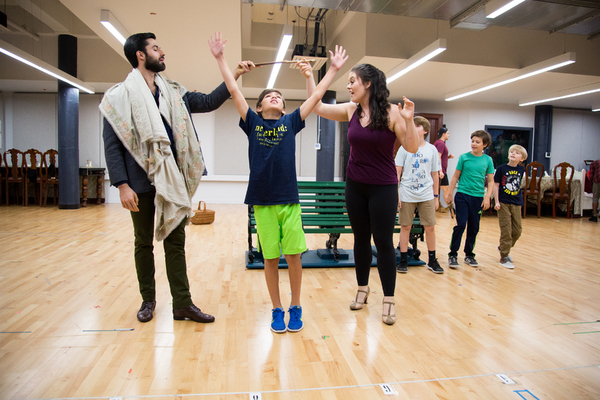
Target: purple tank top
(371, 154)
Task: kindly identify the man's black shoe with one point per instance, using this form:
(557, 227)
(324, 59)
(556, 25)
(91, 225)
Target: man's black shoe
(191, 312)
(146, 310)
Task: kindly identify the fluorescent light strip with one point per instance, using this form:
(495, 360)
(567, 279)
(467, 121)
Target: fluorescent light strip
(113, 25)
(596, 108)
(502, 9)
(526, 72)
(114, 31)
(283, 47)
(46, 68)
(421, 57)
(580, 91)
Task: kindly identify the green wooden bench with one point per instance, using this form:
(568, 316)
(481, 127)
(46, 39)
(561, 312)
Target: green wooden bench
(323, 206)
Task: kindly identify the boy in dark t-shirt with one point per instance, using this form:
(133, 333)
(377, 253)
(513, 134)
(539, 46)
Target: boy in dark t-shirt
(272, 187)
(509, 200)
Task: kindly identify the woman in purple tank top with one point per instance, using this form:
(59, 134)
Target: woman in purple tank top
(372, 182)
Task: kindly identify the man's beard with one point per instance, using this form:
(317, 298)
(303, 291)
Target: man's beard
(154, 65)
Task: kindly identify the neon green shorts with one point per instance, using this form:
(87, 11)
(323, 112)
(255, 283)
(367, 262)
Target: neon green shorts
(279, 225)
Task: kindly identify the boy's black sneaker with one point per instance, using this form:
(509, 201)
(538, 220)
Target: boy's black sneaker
(593, 219)
(470, 260)
(453, 262)
(402, 267)
(434, 265)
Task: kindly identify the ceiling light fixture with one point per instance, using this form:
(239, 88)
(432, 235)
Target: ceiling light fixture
(526, 72)
(421, 57)
(565, 94)
(113, 25)
(46, 68)
(286, 39)
(498, 7)
(596, 108)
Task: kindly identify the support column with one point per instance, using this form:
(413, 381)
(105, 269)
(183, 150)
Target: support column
(542, 134)
(326, 136)
(68, 126)
(7, 143)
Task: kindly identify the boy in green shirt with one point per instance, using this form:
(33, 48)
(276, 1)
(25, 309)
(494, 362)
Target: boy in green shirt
(471, 196)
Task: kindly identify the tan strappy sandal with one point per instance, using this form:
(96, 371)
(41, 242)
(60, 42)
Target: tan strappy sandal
(389, 319)
(357, 305)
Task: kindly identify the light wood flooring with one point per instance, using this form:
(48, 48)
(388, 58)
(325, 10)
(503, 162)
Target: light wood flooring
(66, 272)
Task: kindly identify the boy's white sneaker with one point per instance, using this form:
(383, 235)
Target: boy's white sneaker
(505, 262)
(508, 256)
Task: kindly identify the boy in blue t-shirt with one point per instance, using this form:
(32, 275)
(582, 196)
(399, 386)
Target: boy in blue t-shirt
(272, 187)
(471, 198)
(509, 199)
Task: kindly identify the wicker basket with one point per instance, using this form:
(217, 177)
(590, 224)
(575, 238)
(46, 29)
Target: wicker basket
(202, 215)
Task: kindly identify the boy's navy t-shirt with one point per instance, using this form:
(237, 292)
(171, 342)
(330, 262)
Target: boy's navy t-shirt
(272, 157)
(509, 179)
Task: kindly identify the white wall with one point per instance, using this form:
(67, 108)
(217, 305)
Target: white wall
(576, 136)
(35, 121)
(2, 126)
(90, 133)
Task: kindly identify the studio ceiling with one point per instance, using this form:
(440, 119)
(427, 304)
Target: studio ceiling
(382, 32)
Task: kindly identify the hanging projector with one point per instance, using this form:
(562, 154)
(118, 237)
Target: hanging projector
(301, 51)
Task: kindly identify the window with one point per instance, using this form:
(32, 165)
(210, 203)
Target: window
(505, 136)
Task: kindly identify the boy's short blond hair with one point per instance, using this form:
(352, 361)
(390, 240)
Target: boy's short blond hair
(520, 149)
(422, 121)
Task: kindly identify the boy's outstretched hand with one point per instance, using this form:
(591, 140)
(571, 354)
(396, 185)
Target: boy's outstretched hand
(216, 45)
(408, 111)
(337, 62)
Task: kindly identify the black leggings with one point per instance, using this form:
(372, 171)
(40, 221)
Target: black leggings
(372, 211)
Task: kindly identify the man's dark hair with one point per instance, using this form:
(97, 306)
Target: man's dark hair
(135, 43)
(442, 131)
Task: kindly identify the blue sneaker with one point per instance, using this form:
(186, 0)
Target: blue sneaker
(277, 323)
(295, 324)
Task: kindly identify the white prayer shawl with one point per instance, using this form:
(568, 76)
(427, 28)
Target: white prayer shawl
(130, 109)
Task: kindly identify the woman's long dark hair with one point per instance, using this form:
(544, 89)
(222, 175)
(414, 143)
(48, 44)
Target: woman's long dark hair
(378, 95)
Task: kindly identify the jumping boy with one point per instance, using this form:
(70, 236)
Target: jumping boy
(509, 199)
(272, 187)
(471, 196)
(418, 185)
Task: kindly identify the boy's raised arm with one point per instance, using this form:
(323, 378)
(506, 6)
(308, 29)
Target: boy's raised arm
(217, 46)
(337, 61)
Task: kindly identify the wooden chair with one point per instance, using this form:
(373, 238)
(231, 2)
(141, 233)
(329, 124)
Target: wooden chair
(32, 170)
(49, 175)
(13, 164)
(562, 186)
(534, 172)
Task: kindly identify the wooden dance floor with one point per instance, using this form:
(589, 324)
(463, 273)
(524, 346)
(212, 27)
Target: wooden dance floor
(69, 298)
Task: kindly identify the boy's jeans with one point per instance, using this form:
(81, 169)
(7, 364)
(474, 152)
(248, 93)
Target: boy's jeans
(468, 215)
